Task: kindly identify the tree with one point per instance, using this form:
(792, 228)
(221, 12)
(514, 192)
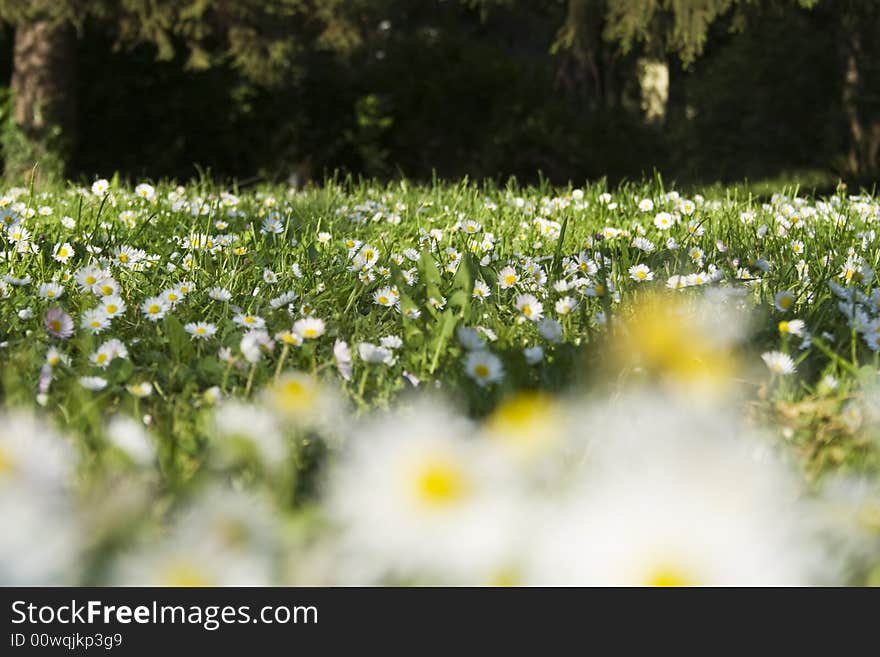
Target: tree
(259, 38)
(681, 28)
(41, 111)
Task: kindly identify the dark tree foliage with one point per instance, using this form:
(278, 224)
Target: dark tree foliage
(278, 89)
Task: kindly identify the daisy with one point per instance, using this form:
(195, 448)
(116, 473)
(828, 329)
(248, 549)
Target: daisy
(58, 323)
(100, 187)
(385, 297)
(155, 308)
(95, 320)
(254, 343)
(695, 228)
(62, 252)
(272, 225)
(646, 205)
(55, 358)
(200, 330)
(779, 363)
(140, 390)
(86, 277)
(289, 338)
(641, 273)
(107, 352)
(676, 282)
(534, 355)
(219, 294)
(507, 278)
(391, 342)
(696, 279)
(371, 353)
(550, 330)
(18, 234)
(565, 305)
(309, 328)
(127, 256)
(51, 291)
(106, 287)
(283, 300)
(643, 244)
(324, 238)
(784, 300)
(481, 291)
(792, 326)
(113, 306)
(172, 296)
(249, 321)
(93, 382)
(483, 367)
(663, 220)
(530, 307)
(145, 191)
(469, 338)
(471, 227)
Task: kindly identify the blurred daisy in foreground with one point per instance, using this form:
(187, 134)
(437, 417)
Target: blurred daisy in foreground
(674, 497)
(415, 495)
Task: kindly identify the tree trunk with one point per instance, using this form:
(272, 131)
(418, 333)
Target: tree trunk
(860, 106)
(43, 111)
(850, 107)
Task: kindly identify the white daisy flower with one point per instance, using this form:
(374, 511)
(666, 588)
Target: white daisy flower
(641, 273)
(530, 307)
(779, 363)
(483, 367)
(309, 328)
(200, 330)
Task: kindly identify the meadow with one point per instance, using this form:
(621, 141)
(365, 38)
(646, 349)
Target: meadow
(444, 384)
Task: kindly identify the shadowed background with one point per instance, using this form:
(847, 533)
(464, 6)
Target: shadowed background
(293, 90)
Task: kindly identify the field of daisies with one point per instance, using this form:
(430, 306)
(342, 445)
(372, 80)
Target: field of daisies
(448, 384)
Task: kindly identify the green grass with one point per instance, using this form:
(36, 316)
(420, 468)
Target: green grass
(821, 415)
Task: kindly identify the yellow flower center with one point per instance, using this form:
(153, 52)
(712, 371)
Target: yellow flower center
(668, 576)
(526, 422)
(111, 308)
(482, 371)
(440, 483)
(294, 395)
(510, 279)
(184, 575)
(153, 309)
(7, 463)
